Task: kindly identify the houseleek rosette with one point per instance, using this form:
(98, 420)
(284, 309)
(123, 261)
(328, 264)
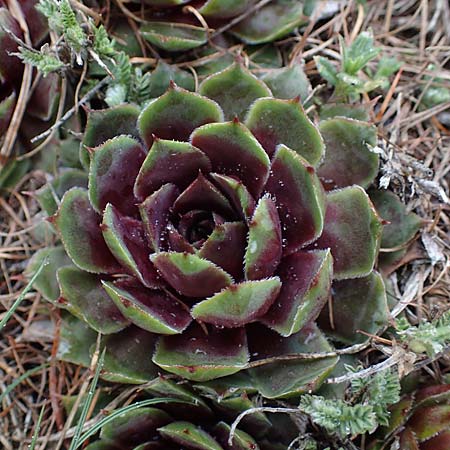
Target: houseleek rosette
(214, 230)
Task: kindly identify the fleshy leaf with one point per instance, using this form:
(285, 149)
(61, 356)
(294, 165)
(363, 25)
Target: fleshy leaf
(163, 74)
(428, 421)
(66, 180)
(403, 225)
(348, 158)
(113, 170)
(275, 122)
(289, 378)
(234, 89)
(302, 211)
(271, 22)
(225, 248)
(176, 114)
(358, 304)
(149, 309)
(75, 340)
(352, 230)
(155, 211)
(202, 195)
(169, 162)
(238, 304)
(439, 442)
(409, 442)
(79, 227)
(83, 295)
(189, 402)
(237, 193)
(200, 357)
(133, 427)
(191, 275)
(173, 37)
(104, 124)
(218, 9)
(234, 151)
(190, 436)
(306, 283)
(351, 111)
(128, 356)
(288, 82)
(125, 237)
(241, 440)
(264, 248)
(46, 282)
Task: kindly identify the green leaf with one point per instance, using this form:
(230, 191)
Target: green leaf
(173, 37)
(238, 304)
(234, 89)
(359, 53)
(188, 435)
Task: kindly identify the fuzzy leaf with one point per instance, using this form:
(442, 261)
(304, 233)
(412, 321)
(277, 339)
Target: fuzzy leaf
(125, 237)
(188, 435)
(288, 82)
(128, 356)
(403, 225)
(302, 211)
(235, 152)
(113, 170)
(241, 440)
(173, 37)
(264, 247)
(237, 193)
(200, 357)
(270, 22)
(348, 158)
(191, 275)
(155, 211)
(170, 162)
(225, 247)
(428, 421)
(133, 427)
(202, 195)
(275, 122)
(83, 295)
(105, 124)
(218, 9)
(46, 282)
(234, 89)
(352, 230)
(238, 304)
(288, 378)
(176, 114)
(306, 283)
(79, 227)
(358, 304)
(149, 309)
(163, 74)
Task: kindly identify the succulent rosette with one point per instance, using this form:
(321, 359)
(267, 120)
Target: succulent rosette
(173, 25)
(179, 417)
(419, 421)
(207, 240)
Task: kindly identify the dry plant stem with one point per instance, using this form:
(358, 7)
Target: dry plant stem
(71, 111)
(19, 110)
(43, 144)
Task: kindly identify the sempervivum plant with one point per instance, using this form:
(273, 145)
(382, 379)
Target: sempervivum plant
(173, 25)
(207, 240)
(178, 417)
(420, 421)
